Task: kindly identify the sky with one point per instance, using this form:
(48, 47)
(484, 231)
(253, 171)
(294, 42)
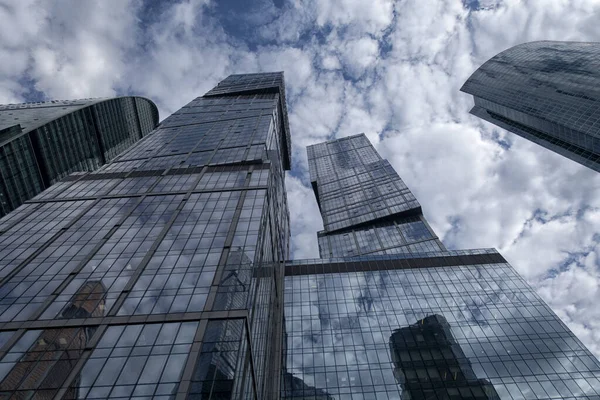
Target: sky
(390, 69)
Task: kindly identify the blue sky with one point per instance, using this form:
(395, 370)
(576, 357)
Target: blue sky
(390, 69)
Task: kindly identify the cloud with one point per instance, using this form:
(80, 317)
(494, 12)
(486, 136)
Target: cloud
(389, 69)
(69, 50)
(359, 55)
(297, 65)
(372, 17)
(573, 294)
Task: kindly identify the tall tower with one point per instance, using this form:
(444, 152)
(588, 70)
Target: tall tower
(156, 275)
(41, 143)
(547, 92)
(366, 207)
(389, 313)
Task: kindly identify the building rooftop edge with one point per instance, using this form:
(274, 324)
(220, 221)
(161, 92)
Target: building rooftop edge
(464, 88)
(70, 109)
(398, 256)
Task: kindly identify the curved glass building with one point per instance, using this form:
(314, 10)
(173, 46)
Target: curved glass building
(547, 92)
(41, 143)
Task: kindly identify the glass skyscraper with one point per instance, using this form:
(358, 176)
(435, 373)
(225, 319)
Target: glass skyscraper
(165, 274)
(366, 207)
(41, 143)
(546, 92)
(389, 313)
(158, 274)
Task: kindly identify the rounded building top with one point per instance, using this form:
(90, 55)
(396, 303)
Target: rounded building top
(554, 64)
(538, 83)
(30, 116)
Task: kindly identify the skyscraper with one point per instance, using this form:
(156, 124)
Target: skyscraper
(41, 143)
(546, 92)
(366, 207)
(389, 313)
(156, 275)
(162, 275)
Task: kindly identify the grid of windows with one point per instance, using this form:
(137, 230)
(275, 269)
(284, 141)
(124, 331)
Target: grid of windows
(16, 215)
(363, 194)
(33, 232)
(141, 279)
(115, 259)
(405, 235)
(31, 286)
(41, 361)
(137, 361)
(264, 85)
(219, 361)
(366, 207)
(475, 331)
(56, 138)
(179, 275)
(19, 175)
(67, 190)
(396, 316)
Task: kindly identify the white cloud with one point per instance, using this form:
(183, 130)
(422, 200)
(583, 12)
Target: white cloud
(573, 294)
(330, 61)
(297, 65)
(372, 17)
(359, 55)
(81, 49)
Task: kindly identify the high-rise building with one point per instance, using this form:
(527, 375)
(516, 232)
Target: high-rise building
(366, 208)
(162, 275)
(153, 276)
(389, 313)
(546, 92)
(41, 143)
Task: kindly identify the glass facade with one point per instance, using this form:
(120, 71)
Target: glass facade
(41, 143)
(366, 207)
(546, 92)
(159, 274)
(389, 313)
(165, 274)
(446, 325)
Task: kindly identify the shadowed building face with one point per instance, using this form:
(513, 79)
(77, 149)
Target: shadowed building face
(429, 363)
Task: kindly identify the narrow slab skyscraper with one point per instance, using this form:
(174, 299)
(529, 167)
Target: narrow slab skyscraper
(366, 207)
(547, 92)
